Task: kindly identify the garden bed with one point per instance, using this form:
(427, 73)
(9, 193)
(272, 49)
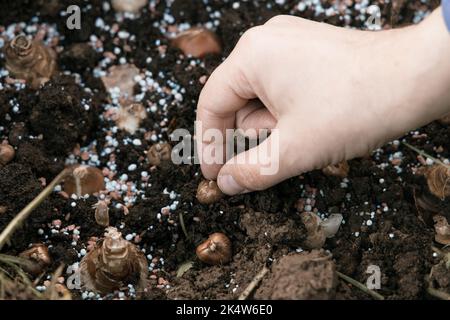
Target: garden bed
(68, 121)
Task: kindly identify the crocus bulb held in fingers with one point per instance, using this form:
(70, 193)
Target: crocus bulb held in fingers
(208, 192)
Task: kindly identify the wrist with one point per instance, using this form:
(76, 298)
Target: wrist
(425, 51)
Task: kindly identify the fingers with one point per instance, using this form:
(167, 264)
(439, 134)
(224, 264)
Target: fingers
(258, 168)
(254, 117)
(225, 92)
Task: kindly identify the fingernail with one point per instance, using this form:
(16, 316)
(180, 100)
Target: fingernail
(229, 186)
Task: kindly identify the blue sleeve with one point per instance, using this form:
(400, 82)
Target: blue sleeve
(446, 9)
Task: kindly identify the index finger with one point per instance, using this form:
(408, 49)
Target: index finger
(225, 92)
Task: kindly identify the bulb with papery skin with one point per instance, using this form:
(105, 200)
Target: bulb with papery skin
(197, 42)
(102, 213)
(7, 153)
(38, 253)
(84, 180)
(159, 152)
(30, 61)
(438, 180)
(208, 192)
(112, 264)
(215, 250)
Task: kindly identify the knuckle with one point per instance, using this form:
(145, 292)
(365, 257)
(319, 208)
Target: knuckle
(251, 36)
(276, 19)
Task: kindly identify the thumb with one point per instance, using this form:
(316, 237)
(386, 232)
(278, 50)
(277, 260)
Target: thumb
(258, 168)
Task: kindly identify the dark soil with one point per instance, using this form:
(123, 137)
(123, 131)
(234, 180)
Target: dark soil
(50, 125)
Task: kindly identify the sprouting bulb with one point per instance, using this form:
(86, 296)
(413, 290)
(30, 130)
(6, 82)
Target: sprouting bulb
(113, 263)
(159, 152)
(30, 60)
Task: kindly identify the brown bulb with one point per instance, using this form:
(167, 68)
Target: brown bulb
(84, 180)
(438, 180)
(102, 213)
(316, 235)
(121, 77)
(132, 6)
(337, 170)
(208, 192)
(113, 264)
(130, 117)
(30, 61)
(38, 253)
(6, 154)
(159, 152)
(442, 230)
(215, 250)
(197, 42)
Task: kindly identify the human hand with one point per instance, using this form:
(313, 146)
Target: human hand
(331, 93)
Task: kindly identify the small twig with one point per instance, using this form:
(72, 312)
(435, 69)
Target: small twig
(423, 153)
(253, 284)
(438, 294)
(183, 227)
(360, 286)
(23, 215)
